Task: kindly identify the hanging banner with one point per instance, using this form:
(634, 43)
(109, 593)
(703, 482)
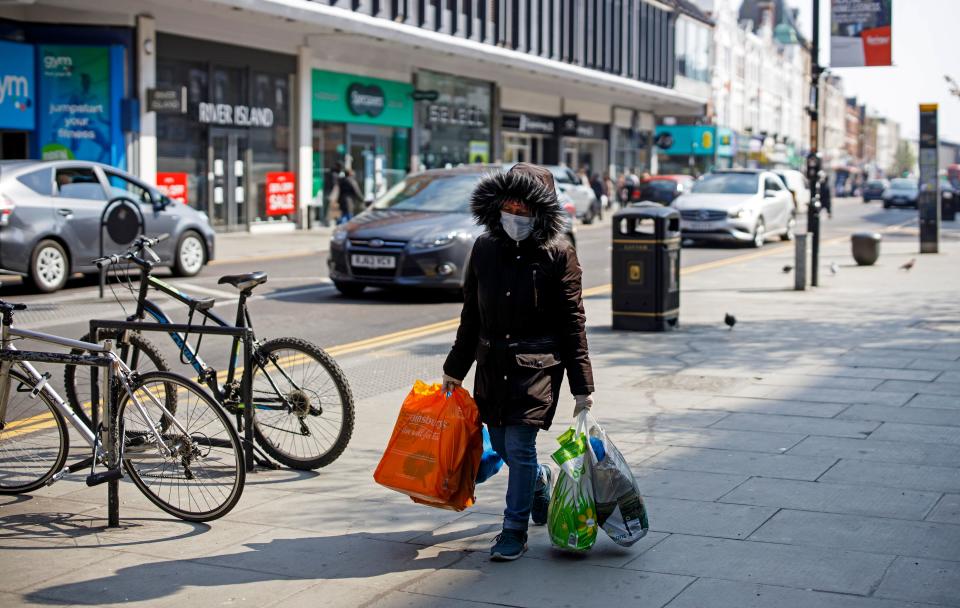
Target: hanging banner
(281, 193)
(173, 185)
(860, 33)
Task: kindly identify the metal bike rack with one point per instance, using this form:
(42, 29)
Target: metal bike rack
(246, 336)
(95, 361)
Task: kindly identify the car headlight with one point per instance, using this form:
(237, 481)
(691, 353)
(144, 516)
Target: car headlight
(339, 235)
(434, 241)
(739, 213)
(948, 195)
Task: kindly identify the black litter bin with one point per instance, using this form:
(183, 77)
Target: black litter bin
(949, 201)
(866, 247)
(646, 268)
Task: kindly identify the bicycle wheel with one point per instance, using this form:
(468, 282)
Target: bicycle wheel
(142, 356)
(33, 441)
(303, 407)
(197, 473)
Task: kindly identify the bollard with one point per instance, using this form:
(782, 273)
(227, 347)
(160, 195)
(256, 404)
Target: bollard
(800, 264)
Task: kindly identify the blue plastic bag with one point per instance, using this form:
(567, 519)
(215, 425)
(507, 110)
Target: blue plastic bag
(490, 462)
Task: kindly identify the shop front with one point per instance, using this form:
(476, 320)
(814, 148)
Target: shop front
(453, 120)
(361, 124)
(529, 138)
(585, 145)
(685, 149)
(232, 145)
(63, 92)
(726, 148)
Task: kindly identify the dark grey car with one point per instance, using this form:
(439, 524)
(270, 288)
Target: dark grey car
(50, 220)
(419, 234)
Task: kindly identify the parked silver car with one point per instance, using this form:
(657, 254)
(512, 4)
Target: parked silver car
(50, 220)
(737, 205)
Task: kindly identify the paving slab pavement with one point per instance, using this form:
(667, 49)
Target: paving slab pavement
(807, 458)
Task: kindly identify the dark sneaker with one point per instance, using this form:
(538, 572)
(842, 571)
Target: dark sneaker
(510, 544)
(541, 496)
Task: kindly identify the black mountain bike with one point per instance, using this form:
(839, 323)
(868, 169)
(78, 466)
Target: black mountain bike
(303, 409)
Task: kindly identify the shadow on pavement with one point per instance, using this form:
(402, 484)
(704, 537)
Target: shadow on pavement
(348, 556)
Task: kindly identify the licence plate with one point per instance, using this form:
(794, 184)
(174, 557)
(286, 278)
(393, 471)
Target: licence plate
(373, 261)
(700, 226)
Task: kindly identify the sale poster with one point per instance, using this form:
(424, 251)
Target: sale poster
(281, 193)
(174, 186)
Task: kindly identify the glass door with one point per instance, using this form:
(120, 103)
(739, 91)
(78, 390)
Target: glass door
(229, 155)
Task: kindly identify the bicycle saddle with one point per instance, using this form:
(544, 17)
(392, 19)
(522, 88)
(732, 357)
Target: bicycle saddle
(244, 281)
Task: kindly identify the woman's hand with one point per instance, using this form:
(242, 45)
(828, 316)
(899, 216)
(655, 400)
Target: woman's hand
(450, 383)
(584, 402)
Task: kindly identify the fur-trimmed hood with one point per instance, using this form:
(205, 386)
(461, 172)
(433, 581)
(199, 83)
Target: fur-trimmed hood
(523, 182)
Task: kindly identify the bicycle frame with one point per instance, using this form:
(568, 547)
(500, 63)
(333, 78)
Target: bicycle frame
(207, 374)
(8, 332)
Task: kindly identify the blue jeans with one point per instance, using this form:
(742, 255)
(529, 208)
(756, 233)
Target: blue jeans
(517, 446)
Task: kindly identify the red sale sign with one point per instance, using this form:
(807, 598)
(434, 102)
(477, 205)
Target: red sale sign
(281, 193)
(174, 185)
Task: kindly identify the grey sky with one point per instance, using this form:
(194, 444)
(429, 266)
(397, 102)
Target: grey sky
(926, 45)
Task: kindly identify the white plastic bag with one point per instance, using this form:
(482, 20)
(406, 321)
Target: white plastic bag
(620, 509)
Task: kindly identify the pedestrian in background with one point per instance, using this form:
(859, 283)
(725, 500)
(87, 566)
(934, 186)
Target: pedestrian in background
(826, 199)
(350, 196)
(523, 323)
(599, 189)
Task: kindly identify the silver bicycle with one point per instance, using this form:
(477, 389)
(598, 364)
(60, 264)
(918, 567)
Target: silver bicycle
(175, 444)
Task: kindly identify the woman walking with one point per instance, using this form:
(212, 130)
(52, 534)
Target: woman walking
(523, 323)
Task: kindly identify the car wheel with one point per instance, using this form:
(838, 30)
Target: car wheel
(49, 266)
(789, 231)
(190, 255)
(886, 206)
(758, 234)
(351, 290)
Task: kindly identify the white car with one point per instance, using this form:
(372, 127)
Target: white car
(582, 195)
(746, 206)
(796, 183)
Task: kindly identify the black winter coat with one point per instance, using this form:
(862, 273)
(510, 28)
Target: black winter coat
(522, 318)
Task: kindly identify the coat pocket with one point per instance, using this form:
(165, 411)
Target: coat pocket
(533, 377)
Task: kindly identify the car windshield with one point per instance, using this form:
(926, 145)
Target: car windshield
(433, 193)
(726, 183)
(903, 184)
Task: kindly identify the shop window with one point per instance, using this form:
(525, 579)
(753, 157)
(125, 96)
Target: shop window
(80, 184)
(40, 181)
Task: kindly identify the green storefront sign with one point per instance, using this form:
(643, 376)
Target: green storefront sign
(348, 98)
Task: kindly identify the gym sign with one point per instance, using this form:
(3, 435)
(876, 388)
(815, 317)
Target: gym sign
(234, 115)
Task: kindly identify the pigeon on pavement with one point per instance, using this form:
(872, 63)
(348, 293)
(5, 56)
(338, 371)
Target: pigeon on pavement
(834, 268)
(787, 268)
(730, 320)
(908, 264)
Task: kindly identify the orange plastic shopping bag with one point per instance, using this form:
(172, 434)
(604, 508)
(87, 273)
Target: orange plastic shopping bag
(435, 449)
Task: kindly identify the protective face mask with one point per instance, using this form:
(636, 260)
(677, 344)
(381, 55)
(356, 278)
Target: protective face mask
(517, 227)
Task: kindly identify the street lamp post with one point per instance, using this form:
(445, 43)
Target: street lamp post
(813, 157)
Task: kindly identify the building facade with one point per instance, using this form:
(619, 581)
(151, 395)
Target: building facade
(281, 92)
(760, 75)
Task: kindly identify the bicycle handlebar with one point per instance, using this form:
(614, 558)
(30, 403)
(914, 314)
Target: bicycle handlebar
(142, 245)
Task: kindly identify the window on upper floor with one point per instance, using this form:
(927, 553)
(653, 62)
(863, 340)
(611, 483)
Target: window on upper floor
(693, 50)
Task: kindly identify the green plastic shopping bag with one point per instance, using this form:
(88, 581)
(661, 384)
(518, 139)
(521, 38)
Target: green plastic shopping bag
(572, 519)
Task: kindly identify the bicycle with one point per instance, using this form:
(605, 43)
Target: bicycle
(188, 463)
(302, 404)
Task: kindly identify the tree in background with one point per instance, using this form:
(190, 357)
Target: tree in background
(904, 160)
